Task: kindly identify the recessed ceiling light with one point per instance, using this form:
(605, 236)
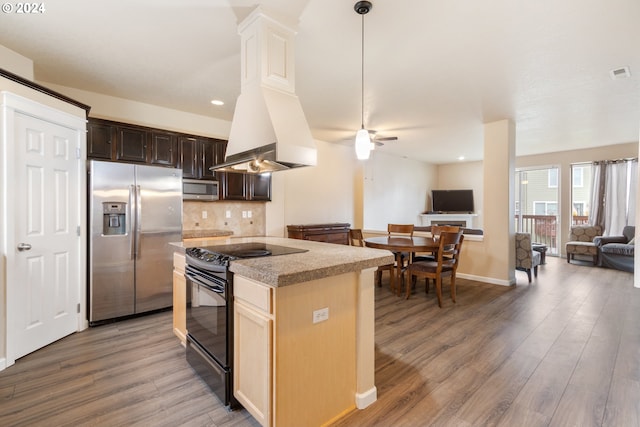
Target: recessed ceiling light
(217, 102)
(620, 73)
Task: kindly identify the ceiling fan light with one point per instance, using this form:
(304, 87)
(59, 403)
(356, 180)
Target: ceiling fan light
(363, 144)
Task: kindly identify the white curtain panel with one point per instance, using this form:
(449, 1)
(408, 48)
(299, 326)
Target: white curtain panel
(615, 200)
(633, 189)
(595, 210)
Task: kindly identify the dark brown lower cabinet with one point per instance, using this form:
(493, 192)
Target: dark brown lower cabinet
(330, 233)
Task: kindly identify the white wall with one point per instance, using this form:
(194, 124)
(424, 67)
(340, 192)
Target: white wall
(125, 110)
(395, 190)
(321, 194)
(16, 63)
(464, 176)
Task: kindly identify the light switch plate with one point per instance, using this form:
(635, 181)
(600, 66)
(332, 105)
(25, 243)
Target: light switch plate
(321, 315)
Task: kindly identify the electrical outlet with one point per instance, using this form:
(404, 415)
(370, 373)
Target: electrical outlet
(204, 214)
(244, 214)
(248, 214)
(321, 315)
(227, 214)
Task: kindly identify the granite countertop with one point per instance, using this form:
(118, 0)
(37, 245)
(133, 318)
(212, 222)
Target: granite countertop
(202, 233)
(322, 260)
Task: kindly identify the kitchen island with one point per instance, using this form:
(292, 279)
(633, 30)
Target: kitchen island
(304, 331)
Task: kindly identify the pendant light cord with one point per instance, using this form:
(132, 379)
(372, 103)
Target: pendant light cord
(362, 76)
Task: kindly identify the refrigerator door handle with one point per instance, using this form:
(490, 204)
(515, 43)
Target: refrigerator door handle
(138, 220)
(132, 225)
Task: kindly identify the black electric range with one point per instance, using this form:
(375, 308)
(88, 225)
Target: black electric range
(210, 310)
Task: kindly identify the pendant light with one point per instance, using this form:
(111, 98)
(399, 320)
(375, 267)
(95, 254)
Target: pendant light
(363, 140)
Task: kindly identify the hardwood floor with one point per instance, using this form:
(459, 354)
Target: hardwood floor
(561, 351)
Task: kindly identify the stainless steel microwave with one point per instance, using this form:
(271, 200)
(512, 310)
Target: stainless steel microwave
(195, 189)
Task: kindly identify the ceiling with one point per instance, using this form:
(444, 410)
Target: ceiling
(435, 71)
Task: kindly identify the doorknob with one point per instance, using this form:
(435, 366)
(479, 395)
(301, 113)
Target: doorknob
(23, 247)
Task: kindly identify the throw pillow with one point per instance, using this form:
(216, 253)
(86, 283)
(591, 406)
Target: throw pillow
(632, 241)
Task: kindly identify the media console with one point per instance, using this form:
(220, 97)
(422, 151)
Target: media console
(462, 219)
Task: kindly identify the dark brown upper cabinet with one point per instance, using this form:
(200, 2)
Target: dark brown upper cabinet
(123, 142)
(164, 148)
(132, 144)
(101, 139)
(245, 187)
(199, 154)
(260, 187)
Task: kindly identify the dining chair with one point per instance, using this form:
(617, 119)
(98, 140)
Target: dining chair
(356, 239)
(435, 230)
(401, 230)
(446, 265)
(405, 230)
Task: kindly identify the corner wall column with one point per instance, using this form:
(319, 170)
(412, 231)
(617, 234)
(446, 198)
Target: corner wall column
(499, 223)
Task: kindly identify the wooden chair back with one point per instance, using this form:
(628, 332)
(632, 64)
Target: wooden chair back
(400, 229)
(436, 230)
(449, 250)
(355, 237)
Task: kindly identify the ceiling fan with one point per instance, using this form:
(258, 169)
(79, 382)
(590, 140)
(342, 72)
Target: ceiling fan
(376, 140)
(380, 140)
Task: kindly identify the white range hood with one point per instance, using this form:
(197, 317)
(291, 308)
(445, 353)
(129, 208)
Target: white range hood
(269, 131)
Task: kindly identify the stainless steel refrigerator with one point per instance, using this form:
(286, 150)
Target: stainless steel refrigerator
(134, 212)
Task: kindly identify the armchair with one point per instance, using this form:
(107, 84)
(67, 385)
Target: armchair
(581, 241)
(526, 258)
(617, 251)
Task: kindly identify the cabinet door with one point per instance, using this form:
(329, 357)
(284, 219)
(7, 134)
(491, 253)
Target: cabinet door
(260, 188)
(100, 140)
(234, 186)
(213, 151)
(253, 364)
(131, 144)
(189, 157)
(180, 305)
(164, 149)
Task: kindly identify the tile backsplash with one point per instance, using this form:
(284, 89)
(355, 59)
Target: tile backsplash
(242, 218)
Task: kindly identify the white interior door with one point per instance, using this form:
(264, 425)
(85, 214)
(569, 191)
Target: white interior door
(43, 283)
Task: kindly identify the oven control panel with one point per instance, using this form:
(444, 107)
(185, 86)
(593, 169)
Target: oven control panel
(207, 257)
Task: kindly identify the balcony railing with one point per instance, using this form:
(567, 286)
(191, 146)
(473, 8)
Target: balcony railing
(542, 229)
(580, 220)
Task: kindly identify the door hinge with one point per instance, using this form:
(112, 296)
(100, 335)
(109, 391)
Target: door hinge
(78, 231)
(78, 308)
(78, 153)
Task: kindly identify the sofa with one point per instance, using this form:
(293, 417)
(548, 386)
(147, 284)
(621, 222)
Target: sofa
(581, 242)
(617, 251)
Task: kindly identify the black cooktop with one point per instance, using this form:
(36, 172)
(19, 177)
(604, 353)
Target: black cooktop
(223, 254)
(250, 250)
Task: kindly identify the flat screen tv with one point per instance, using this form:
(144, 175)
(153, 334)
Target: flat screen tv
(452, 201)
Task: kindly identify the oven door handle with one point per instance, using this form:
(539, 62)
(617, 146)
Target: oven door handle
(213, 287)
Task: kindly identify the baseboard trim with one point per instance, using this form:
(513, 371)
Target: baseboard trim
(367, 398)
(491, 280)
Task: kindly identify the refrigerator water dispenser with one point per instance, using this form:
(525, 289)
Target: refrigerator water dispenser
(114, 218)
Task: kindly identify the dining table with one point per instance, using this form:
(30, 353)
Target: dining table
(399, 244)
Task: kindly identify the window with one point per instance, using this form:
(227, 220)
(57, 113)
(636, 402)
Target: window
(581, 174)
(553, 178)
(545, 208)
(577, 176)
(536, 204)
